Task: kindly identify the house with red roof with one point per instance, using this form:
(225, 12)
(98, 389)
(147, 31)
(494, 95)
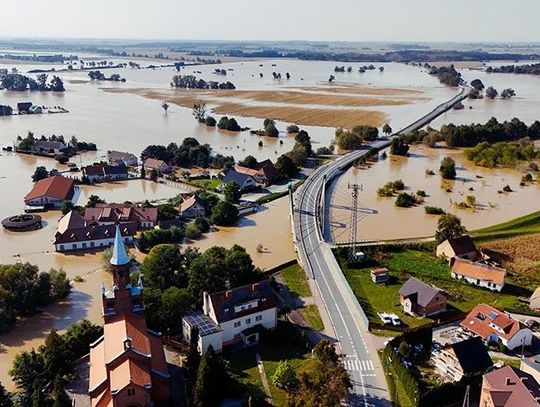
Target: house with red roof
(495, 326)
(127, 364)
(160, 166)
(509, 387)
(233, 316)
(113, 213)
(480, 274)
(50, 192)
(264, 172)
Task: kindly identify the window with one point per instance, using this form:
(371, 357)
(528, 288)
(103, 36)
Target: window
(131, 392)
(258, 318)
(248, 321)
(92, 244)
(237, 324)
(74, 246)
(61, 247)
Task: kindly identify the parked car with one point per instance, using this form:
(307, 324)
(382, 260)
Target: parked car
(395, 319)
(385, 318)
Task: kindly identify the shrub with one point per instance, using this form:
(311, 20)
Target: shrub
(203, 224)
(210, 121)
(421, 193)
(193, 232)
(434, 210)
(448, 168)
(293, 128)
(405, 200)
(399, 147)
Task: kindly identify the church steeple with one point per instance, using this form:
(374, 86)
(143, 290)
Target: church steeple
(123, 297)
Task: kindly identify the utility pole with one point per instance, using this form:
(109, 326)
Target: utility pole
(354, 219)
(291, 200)
(323, 206)
(466, 400)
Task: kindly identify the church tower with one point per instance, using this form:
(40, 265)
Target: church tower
(122, 298)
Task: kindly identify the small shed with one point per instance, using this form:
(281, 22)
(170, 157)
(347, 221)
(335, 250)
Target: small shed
(24, 107)
(380, 275)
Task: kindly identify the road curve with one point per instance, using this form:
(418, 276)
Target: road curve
(349, 321)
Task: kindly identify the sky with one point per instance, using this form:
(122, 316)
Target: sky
(318, 20)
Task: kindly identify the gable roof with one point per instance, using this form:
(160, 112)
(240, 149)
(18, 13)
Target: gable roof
(462, 245)
(535, 299)
(509, 387)
(481, 317)
(224, 302)
(49, 145)
(269, 170)
(119, 155)
(239, 178)
(480, 271)
(72, 220)
(101, 169)
(112, 212)
(154, 164)
(419, 291)
(94, 232)
(472, 355)
(55, 187)
(190, 202)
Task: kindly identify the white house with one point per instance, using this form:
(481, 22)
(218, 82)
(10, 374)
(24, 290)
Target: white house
(232, 316)
(495, 326)
(244, 181)
(462, 247)
(50, 192)
(121, 158)
(193, 207)
(480, 274)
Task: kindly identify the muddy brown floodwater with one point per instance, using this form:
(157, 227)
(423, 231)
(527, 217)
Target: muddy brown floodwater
(379, 218)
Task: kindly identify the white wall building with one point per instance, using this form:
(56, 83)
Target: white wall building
(232, 316)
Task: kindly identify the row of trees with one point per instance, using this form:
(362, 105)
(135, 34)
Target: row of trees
(531, 69)
(23, 289)
(19, 83)
(447, 75)
(503, 153)
(191, 82)
(353, 138)
(99, 76)
(189, 153)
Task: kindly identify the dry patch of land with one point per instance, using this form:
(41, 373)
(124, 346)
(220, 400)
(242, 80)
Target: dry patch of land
(305, 108)
(459, 64)
(519, 254)
(352, 89)
(77, 81)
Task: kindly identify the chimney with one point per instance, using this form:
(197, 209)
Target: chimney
(127, 343)
(228, 294)
(509, 382)
(206, 306)
(255, 287)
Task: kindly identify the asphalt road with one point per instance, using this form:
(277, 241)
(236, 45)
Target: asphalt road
(348, 319)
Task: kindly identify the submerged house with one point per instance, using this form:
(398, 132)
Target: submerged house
(103, 172)
(233, 316)
(122, 158)
(50, 192)
(113, 213)
(193, 207)
(245, 181)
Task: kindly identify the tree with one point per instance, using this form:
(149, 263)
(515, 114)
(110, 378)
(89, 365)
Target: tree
(39, 174)
(271, 130)
(298, 154)
(286, 166)
(210, 121)
(167, 212)
(28, 371)
(448, 168)
(267, 122)
(285, 376)
(163, 267)
(67, 207)
(175, 302)
(449, 227)
(491, 92)
(60, 284)
(202, 224)
(211, 380)
(387, 129)
(347, 140)
(508, 93)
(224, 213)
(366, 133)
(93, 200)
(5, 397)
(232, 192)
(55, 355)
(193, 358)
(153, 175)
(57, 85)
(249, 162)
(59, 395)
(399, 147)
(477, 84)
(193, 232)
(303, 138)
(292, 128)
(199, 112)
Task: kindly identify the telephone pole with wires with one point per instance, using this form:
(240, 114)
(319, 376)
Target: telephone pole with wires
(355, 188)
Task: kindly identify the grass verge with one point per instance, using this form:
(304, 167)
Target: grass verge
(295, 280)
(312, 317)
(524, 225)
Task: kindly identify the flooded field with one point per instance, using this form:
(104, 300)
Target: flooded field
(122, 120)
(381, 219)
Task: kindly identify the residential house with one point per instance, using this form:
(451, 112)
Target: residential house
(419, 298)
(193, 207)
(531, 366)
(495, 326)
(74, 233)
(160, 166)
(460, 359)
(121, 158)
(110, 214)
(127, 363)
(462, 247)
(534, 301)
(50, 192)
(245, 182)
(48, 147)
(509, 387)
(380, 275)
(100, 172)
(264, 173)
(24, 107)
(233, 316)
(480, 274)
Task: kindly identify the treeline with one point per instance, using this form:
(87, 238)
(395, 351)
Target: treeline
(58, 58)
(23, 290)
(19, 83)
(40, 375)
(353, 138)
(99, 76)
(191, 82)
(447, 75)
(188, 154)
(503, 153)
(531, 69)
(469, 135)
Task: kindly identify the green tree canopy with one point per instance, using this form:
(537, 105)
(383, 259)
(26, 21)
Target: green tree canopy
(449, 227)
